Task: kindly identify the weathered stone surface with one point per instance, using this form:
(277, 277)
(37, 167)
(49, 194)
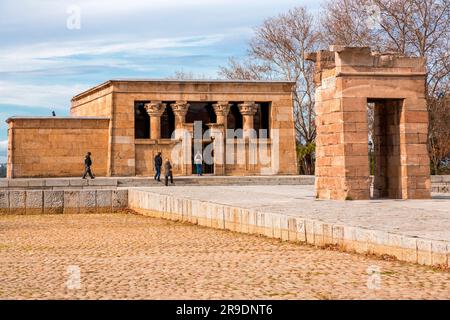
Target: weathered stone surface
(71, 201)
(18, 183)
(57, 183)
(66, 139)
(3, 183)
(88, 201)
(104, 201)
(17, 201)
(33, 183)
(53, 201)
(119, 200)
(424, 251)
(34, 201)
(439, 253)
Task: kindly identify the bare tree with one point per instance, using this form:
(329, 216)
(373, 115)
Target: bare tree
(277, 52)
(439, 133)
(411, 27)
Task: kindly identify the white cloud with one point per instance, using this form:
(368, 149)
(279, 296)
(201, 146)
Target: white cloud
(3, 150)
(46, 55)
(56, 97)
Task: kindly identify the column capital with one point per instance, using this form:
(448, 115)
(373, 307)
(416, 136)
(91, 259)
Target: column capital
(180, 108)
(221, 108)
(248, 108)
(155, 108)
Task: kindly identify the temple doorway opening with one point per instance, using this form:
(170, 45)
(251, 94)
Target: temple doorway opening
(384, 147)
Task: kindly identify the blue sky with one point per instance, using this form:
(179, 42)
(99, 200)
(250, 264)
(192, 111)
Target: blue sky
(43, 63)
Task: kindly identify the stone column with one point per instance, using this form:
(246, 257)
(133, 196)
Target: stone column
(155, 109)
(218, 131)
(222, 108)
(180, 108)
(248, 110)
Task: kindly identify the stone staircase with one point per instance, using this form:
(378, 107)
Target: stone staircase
(125, 182)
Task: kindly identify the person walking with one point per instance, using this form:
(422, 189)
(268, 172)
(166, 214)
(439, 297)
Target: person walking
(168, 172)
(87, 166)
(198, 160)
(158, 161)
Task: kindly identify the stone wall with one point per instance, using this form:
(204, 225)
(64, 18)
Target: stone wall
(440, 184)
(146, 151)
(55, 147)
(62, 201)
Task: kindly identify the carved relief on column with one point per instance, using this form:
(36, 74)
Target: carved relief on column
(222, 108)
(180, 108)
(155, 109)
(248, 110)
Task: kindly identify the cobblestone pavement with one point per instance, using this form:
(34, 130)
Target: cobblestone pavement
(428, 219)
(125, 256)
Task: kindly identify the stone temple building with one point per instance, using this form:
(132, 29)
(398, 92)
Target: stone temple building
(246, 126)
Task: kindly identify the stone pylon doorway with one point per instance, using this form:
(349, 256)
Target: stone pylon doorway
(347, 79)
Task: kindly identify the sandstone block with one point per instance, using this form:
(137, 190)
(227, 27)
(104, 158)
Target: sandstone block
(88, 201)
(4, 201)
(18, 183)
(424, 252)
(439, 253)
(104, 200)
(34, 201)
(71, 201)
(17, 201)
(119, 199)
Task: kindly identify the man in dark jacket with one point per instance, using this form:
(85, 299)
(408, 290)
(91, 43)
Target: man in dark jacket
(158, 164)
(168, 172)
(87, 166)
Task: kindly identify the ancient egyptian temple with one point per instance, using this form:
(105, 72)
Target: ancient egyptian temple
(125, 123)
(352, 85)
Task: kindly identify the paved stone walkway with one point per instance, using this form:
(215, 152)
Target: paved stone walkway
(429, 219)
(129, 256)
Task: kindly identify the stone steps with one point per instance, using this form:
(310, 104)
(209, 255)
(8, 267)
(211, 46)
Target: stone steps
(439, 184)
(114, 182)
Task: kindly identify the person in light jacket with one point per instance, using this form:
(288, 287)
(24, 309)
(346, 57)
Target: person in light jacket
(198, 160)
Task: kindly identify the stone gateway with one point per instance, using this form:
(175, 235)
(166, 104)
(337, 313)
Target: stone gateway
(347, 81)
